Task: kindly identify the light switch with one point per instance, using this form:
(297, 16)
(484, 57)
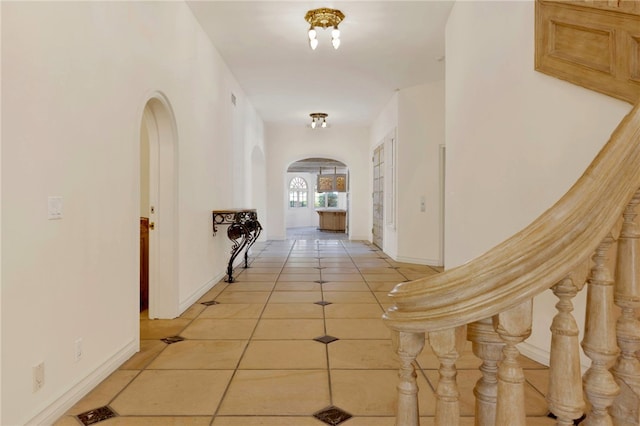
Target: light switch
(54, 205)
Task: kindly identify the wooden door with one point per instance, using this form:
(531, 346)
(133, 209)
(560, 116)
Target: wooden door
(144, 263)
(378, 195)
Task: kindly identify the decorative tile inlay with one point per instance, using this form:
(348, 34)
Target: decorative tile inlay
(320, 281)
(332, 415)
(320, 267)
(209, 303)
(393, 267)
(96, 415)
(326, 339)
(322, 303)
(575, 422)
(172, 339)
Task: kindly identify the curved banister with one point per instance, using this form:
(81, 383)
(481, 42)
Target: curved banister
(534, 259)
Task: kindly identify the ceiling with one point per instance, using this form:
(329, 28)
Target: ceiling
(316, 165)
(386, 46)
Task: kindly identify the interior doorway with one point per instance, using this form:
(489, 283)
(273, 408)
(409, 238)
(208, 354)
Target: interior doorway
(158, 209)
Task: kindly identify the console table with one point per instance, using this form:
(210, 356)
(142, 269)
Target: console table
(243, 231)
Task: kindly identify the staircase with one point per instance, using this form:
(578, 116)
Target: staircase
(489, 302)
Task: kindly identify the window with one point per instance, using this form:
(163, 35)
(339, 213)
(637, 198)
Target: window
(326, 199)
(298, 192)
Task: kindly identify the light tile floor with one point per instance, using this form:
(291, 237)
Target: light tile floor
(251, 359)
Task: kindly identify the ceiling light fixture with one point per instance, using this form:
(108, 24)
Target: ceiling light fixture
(318, 119)
(324, 17)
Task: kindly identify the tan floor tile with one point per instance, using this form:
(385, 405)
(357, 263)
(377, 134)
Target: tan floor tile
(157, 421)
(301, 264)
(295, 296)
(243, 297)
(102, 394)
(200, 354)
(149, 349)
(371, 421)
(374, 393)
(428, 360)
(262, 269)
(353, 310)
(276, 392)
(254, 276)
(160, 328)
(278, 329)
(349, 297)
(394, 276)
(341, 277)
(173, 392)
(383, 297)
(67, 421)
(382, 269)
(535, 404)
(300, 277)
(368, 328)
(345, 286)
(245, 285)
(386, 286)
(193, 311)
(296, 286)
(362, 354)
(292, 310)
(267, 421)
(214, 329)
(233, 310)
(341, 270)
(215, 291)
(300, 270)
(284, 354)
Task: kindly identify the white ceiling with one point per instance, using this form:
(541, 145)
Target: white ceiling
(386, 45)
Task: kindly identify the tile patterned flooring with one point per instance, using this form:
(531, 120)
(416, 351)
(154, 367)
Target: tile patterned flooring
(264, 354)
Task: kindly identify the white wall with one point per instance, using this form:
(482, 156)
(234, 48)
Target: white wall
(416, 116)
(350, 145)
(516, 139)
(75, 79)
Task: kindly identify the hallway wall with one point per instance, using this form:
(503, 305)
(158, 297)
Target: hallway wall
(516, 139)
(75, 79)
(286, 144)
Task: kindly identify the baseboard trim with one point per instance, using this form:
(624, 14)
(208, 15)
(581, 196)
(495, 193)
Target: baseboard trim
(56, 409)
(186, 304)
(417, 260)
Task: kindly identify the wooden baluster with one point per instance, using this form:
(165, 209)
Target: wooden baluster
(447, 345)
(408, 345)
(513, 326)
(627, 296)
(487, 346)
(599, 341)
(565, 378)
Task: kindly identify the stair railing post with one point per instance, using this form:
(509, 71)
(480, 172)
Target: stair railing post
(626, 371)
(447, 346)
(408, 346)
(599, 342)
(513, 327)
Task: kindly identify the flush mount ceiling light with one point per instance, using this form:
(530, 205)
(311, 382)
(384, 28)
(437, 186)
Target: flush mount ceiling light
(324, 17)
(318, 119)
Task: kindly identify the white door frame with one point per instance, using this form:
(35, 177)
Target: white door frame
(159, 120)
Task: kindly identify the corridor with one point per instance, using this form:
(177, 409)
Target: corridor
(297, 340)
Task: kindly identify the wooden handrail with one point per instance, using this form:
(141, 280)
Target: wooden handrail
(536, 258)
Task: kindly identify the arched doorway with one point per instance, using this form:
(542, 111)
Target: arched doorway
(317, 197)
(159, 203)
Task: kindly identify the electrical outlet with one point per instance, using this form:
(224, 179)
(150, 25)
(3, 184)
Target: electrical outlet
(78, 350)
(38, 377)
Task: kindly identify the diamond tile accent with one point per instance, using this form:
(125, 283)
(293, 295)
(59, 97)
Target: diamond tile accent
(326, 339)
(320, 281)
(320, 267)
(332, 415)
(322, 303)
(393, 267)
(172, 339)
(96, 415)
(209, 303)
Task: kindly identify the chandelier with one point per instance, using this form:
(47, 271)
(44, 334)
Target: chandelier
(324, 17)
(318, 119)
